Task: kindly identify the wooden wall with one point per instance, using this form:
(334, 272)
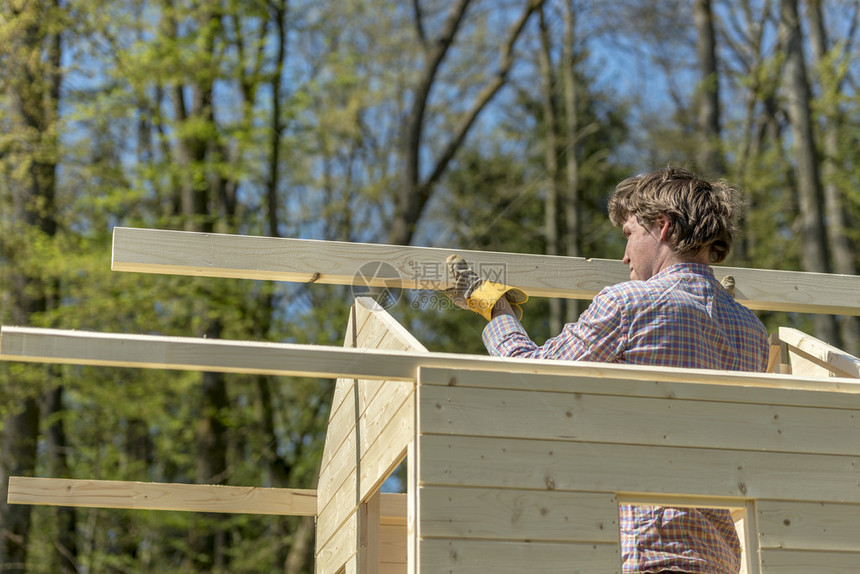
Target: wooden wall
(370, 428)
(524, 472)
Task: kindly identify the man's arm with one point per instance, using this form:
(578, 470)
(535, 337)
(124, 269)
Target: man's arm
(598, 335)
(503, 307)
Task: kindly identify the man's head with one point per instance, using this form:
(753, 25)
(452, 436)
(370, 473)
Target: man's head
(697, 217)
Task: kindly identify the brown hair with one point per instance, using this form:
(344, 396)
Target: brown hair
(701, 214)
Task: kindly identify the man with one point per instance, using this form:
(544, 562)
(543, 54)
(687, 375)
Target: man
(672, 312)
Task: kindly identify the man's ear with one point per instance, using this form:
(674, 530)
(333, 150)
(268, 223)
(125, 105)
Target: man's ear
(663, 225)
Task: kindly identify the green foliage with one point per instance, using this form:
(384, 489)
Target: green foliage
(166, 119)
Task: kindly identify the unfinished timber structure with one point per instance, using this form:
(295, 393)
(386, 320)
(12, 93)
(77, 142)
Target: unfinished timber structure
(513, 465)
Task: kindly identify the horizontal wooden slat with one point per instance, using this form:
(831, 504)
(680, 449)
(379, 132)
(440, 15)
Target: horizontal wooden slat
(392, 544)
(218, 355)
(720, 386)
(803, 562)
(160, 496)
(809, 526)
(393, 508)
(554, 465)
(481, 557)
(525, 515)
(302, 260)
(636, 420)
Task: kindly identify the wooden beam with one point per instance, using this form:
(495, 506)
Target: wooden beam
(181, 497)
(341, 263)
(836, 361)
(161, 496)
(286, 359)
(368, 535)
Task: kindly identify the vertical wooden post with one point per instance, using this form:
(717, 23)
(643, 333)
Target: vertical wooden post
(368, 535)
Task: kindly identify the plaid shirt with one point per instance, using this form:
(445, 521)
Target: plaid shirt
(681, 317)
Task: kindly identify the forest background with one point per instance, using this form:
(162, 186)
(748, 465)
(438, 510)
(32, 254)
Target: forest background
(479, 124)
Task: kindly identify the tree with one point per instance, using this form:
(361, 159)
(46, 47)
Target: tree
(710, 159)
(418, 183)
(554, 190)
(813, 240)
(31, 80)
(831, 79)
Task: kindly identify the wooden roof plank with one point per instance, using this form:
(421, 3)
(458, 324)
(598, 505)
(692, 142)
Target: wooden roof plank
(30, 344)
(343, 263)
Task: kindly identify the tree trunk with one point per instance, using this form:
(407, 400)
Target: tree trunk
(709, 157)
(831, 124)
(65, 546)
(572, 207)
(20, 436)
(280, 9)
(202, 201)
(551, 203)
(32, 83)
(416, 189)
(813, 253)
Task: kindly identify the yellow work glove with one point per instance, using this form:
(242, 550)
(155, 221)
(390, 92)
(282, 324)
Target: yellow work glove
(479, 295)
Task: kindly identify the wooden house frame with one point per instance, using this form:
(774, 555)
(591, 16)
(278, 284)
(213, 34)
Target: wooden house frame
(513, 465)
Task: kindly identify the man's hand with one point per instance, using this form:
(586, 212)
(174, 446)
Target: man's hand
(471, 292)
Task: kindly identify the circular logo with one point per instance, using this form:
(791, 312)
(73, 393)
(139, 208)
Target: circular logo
(379, 281)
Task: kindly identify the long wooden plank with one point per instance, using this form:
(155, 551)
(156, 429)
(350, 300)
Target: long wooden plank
(628, 469)
(805, 562)
(480, 557)
(636, 420)
(217, 355)
(302, 260)
(809, 526)
(768, 389)
(161, 496)
(524, 515)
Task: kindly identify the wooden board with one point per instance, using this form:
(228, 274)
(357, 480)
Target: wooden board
(350, 479)
(219, 355)
(392, 548)
(514, 514)
(513, 457)
(161, 496)
(483, 556)
(809, 562)
(612, 417)
(785, 524)
(545, 465)
(370, 427)
(301, 260)
(634, 381)
(811, 356)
